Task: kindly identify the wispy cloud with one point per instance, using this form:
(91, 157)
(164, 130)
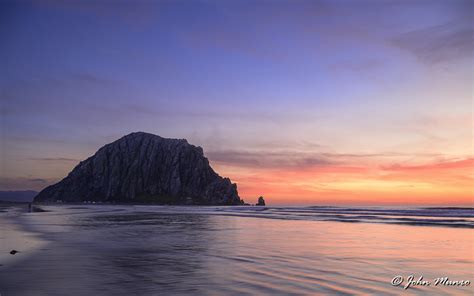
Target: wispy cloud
(437, 44)
(55, 159)
(138, 13)
(262, 159)
(84, 77)
(456, 174)
(300, 159)
(441, 165)
(24, 183)
(356, 66)
(432, 182)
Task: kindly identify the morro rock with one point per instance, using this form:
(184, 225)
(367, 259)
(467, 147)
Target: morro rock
(142, 167)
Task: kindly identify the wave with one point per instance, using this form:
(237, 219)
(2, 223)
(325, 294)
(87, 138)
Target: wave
(434, 216)
(422, 216)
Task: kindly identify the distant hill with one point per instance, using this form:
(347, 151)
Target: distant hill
(145, 168)
(18, 196)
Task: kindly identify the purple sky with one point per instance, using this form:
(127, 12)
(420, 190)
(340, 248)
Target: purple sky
(255, 83)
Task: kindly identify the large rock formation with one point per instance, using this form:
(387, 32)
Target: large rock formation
(142, 167)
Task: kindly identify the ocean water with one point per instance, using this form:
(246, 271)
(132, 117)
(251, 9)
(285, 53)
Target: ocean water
(166, 250)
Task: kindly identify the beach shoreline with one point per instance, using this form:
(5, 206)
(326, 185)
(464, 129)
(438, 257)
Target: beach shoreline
(121, 250)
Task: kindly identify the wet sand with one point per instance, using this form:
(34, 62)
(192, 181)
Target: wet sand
(137, 250)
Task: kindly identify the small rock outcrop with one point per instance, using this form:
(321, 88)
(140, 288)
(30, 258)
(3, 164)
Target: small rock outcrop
(261, 201)
(142, 167)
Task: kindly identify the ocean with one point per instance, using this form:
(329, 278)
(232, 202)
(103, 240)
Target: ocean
(242, 250)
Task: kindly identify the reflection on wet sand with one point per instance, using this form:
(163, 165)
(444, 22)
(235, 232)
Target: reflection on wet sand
(127, 250)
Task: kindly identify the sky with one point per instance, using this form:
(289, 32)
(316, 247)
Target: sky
(303, 102)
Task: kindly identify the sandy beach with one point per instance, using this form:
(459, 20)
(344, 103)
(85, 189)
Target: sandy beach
(123, 250)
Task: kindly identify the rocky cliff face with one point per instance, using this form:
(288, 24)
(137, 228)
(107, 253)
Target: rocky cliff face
(142, 167)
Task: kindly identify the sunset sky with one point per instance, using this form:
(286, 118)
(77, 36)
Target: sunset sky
(303, 102)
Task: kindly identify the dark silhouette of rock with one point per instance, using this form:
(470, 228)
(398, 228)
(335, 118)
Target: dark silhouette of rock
(142, 167)
(13, 252)
(261, 201)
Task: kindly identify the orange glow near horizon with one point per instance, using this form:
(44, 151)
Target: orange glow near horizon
(440, 183)
(303, 102)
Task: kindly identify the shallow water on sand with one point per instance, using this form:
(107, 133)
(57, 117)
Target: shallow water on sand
(150, 250)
